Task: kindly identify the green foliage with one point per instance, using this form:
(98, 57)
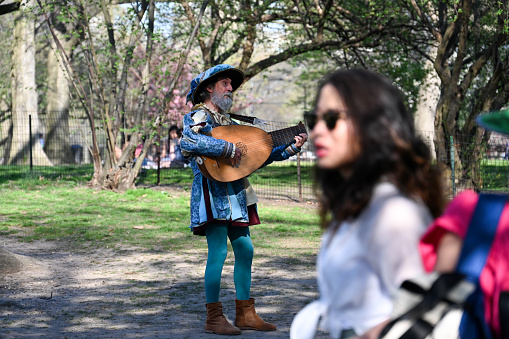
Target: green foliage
(313, 66)
(406, 71)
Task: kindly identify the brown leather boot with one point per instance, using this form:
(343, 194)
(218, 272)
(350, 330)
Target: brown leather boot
(216, 321)
(247, 319)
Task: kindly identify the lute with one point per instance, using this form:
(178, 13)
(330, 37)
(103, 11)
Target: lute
(255, 144)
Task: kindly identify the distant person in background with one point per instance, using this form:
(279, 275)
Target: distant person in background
(163, 150)
(377, 193)
(138, 150)
(174, 152)
(41, 139)
(118, 152)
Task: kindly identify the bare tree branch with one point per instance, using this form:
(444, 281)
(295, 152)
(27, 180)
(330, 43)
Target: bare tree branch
(183, 56)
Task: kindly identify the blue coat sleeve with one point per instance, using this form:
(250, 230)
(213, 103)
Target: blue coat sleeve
(195, 140)
(281, 153)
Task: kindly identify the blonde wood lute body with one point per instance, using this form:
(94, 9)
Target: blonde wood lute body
(255, 145)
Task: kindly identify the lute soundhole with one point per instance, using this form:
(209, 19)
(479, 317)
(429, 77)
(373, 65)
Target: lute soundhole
(242, 147)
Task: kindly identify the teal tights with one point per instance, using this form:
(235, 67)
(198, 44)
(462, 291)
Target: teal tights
(242, 245)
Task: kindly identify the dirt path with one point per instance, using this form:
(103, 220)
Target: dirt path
(134, 293)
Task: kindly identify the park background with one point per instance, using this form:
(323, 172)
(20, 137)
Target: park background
(80, 80)
(86, 83)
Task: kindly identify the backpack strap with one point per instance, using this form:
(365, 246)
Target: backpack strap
(473, 257)
(437, 294)
(503, 309)
(480, 234)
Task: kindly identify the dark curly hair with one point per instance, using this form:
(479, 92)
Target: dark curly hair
(390, 149)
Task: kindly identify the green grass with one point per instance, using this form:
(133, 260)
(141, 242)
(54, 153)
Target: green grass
(81, 215)
(495, 174)
(279, 173)
(282, 175)
(284, 227)
(180, 176)
(46, 174)
(148, 219)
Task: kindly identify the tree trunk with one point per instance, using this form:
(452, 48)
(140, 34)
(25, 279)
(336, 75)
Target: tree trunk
(426, 109)
(57, 144)
(24, 95)
(5, 133)
(121, 175)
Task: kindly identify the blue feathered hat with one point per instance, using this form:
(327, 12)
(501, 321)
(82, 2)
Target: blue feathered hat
(213, 73)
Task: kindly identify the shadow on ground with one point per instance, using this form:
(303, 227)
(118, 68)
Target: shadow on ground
(139, 294)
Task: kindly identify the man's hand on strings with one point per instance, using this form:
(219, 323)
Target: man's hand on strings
(236, 158)
(300, 139)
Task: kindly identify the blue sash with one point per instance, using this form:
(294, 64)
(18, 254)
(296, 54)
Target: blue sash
(474, 254)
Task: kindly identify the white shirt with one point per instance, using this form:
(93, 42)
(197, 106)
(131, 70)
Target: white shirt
(363, 263)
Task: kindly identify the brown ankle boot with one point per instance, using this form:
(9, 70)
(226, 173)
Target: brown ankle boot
(216, 321)
(247, 319)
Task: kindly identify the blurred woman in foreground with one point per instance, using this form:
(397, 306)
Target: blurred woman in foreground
(377, 192)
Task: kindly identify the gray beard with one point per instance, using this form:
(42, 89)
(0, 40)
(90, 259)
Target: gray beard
(224, 103)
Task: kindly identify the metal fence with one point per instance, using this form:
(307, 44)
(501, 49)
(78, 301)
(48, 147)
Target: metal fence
(55, 145)
(45, 140)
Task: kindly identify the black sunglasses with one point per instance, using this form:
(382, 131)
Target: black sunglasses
(330, 117)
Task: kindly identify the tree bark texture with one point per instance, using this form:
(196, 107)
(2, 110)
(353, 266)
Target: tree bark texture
(470, 63)
(5, 136)
(57, 144)
(24, 95)
(428, 98)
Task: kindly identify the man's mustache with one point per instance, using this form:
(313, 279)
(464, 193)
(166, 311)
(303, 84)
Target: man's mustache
(228, 94)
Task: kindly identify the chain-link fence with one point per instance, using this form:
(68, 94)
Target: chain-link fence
(289, 179)
(55, 144)
(465, 164)
(45, 140)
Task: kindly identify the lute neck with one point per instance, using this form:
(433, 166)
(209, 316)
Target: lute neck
(286, 135)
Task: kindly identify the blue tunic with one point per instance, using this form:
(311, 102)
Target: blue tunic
(212, 200)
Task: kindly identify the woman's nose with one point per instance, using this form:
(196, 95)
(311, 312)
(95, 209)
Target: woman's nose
(319, 128)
